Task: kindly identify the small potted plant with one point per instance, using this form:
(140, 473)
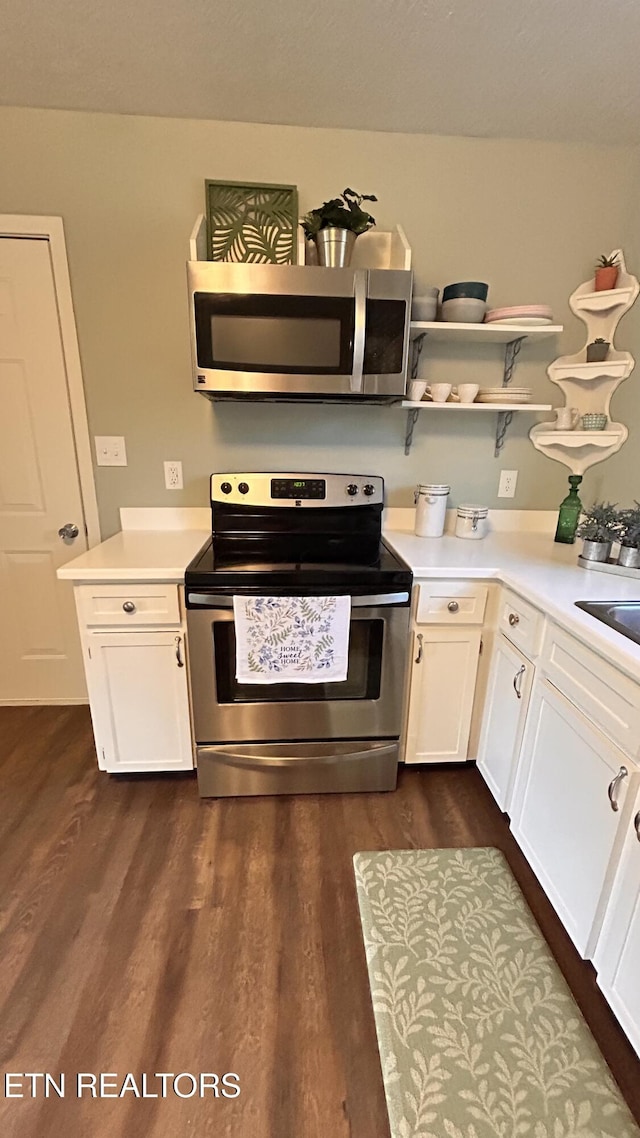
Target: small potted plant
(335, 225)
(597, 350)
(607, 270)
(598, 529)
(629, 537)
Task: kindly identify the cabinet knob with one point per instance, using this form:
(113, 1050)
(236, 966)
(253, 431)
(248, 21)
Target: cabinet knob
(453, 606)
(613, 788)
(514, 619)
(129, 606)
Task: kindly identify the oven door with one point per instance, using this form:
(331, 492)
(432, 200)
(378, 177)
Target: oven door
(276, 330)
(367, 705)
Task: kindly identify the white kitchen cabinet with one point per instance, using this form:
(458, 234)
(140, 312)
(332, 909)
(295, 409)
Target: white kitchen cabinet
(617, 955)
(442, 685)
(505, 712)
(139, 700)
(568, 781)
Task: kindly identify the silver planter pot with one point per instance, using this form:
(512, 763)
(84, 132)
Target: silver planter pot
(335, 247)
(596, 550)
(629, 556)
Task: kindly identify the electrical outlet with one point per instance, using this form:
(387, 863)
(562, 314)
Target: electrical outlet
(507, 484)
(173, 475)
(110, 450)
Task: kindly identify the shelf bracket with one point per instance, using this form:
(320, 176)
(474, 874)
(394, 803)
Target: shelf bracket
(416, 351)
(505, 418)
(412, 419)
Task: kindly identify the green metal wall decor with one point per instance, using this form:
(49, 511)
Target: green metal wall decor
(252, 222)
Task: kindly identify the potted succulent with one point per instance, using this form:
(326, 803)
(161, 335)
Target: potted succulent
(335, 225)
(597, 350)
(607, 270)
(598, 529)
(629, 537)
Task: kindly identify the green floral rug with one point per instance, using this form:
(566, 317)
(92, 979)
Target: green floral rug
(479, 1035)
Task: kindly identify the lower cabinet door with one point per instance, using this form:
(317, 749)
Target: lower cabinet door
(139, 700)
(443, 680)
(505, 712)
(617, 955)
(568, 802)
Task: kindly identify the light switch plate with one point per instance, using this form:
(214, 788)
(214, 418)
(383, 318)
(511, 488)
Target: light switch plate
(110, 450)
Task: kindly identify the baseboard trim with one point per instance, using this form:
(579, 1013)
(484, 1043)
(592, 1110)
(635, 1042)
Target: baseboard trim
(44, 702)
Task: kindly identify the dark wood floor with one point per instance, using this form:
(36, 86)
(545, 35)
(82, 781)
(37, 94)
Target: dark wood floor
(145, 930)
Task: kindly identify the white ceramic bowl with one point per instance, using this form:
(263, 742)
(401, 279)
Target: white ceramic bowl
(425, 307)
(464, 310)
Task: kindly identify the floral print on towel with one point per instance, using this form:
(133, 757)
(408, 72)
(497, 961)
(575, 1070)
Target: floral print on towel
(291, 639)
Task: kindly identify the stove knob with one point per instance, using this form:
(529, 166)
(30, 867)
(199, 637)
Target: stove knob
(226, 487)
(368, 490)
(352, 489)
(243, 487)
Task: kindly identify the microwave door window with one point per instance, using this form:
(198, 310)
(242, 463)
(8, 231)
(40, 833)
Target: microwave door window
(280, 335)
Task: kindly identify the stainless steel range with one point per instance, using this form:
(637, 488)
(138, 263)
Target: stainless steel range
(296, 535)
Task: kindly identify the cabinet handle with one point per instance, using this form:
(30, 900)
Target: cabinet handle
(517, 680)
(178, 652)
(453, 606)
(636, 825)
(129, 606)
(419, 639)
(613, 787)
(514, 619)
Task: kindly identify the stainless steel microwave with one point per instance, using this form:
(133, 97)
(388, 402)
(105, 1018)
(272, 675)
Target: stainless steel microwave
(299, 332)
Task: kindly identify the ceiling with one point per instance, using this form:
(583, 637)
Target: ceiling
(552, 69)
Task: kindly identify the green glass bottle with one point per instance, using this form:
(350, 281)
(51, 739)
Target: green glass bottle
(569, 515)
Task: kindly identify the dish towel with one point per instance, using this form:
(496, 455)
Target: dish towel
(300, 640)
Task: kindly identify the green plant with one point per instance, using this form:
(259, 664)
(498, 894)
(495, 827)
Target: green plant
(605, 262)
(345, 212)
(629, 526)
(600, 340)
(599, 522)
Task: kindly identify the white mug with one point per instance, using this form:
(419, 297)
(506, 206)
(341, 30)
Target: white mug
(466, 392)
(416, 390)
(439, 392)
(566, 418)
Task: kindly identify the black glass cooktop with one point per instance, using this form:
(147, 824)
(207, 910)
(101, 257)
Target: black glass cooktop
(306, 561)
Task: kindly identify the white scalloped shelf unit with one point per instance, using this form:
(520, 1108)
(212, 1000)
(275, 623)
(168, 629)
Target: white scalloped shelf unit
(603, 301)
(577, 438)
(490, 333)
(608, 369)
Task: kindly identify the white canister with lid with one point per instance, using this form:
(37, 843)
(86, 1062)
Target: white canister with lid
(431, 509)
(471, 521)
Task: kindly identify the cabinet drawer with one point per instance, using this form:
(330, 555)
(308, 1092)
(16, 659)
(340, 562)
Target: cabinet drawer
(521, 623)
(104, 605)
(608, 698)
(451, 602)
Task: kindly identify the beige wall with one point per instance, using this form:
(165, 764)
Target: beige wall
(527, 217)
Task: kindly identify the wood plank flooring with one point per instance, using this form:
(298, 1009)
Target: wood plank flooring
(145, 930)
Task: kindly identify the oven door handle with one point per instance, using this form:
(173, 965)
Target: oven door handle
(360, 280)
(374, 600)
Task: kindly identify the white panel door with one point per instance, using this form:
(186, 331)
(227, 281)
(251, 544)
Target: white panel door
(139, 700)
(41, 658)
(504, 717)
(443, 679)
(617, 956)
(562, 814)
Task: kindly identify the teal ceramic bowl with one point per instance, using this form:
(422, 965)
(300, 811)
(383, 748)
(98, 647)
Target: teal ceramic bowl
(467, 289)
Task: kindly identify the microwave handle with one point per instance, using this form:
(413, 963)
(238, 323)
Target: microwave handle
(360, 328)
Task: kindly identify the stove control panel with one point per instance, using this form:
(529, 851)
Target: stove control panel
(297, 490)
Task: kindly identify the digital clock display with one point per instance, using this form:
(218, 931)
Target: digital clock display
(298, 488)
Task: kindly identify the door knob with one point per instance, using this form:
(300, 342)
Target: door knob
(68, 531)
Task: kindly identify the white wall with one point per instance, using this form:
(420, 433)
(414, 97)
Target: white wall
(527, 217)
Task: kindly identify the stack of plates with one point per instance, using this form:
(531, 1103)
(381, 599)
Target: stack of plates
(531, 315)
(504, 394)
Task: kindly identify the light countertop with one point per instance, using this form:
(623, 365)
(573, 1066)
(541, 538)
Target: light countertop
(535, 567)
(137, 555)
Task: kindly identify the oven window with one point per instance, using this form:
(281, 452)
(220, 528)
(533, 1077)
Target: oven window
(288, 335)
(363, 674)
